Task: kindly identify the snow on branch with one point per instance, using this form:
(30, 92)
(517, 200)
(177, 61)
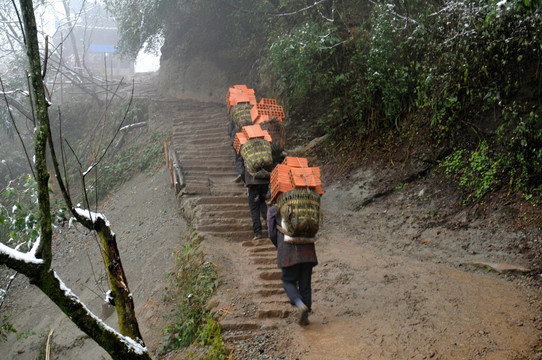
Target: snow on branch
(92, 166)
(300, 10)
(133, 126)
(130, 343)
(92, 216)
(25, 93)
(389, 9)
(28, 257)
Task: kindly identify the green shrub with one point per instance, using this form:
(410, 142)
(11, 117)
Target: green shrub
(522, 152)
(19, 218)
(300, 59)
(194, 282)
(476, 171)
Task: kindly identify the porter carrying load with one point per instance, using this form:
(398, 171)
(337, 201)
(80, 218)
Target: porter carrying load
(297, 188)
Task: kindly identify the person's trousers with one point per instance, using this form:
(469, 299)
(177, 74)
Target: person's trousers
(256, 203)
(296, 281)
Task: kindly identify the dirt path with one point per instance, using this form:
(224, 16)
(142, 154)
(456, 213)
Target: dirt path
(405, 277)
(384, 293)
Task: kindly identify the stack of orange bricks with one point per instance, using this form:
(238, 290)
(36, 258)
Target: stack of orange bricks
(293, 173)
(266, 110)
(250, 132)
(240, 94)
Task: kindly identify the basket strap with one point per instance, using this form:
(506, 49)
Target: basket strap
(284, 231)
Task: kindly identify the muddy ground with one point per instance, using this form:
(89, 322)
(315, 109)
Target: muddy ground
(410, 275)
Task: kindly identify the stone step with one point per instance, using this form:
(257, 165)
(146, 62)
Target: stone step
(255, 243)
(196, 121)
(267, 312)
(226, 161)
(212, 220)
(202, 190)
(270, 275)
(204, 166)
(267, 293)
(264, 260)
(239, 235)
(227, 210)
(267, 267)
(203, 173)
(218, 200)
(238, 325)
(243, 212)
(270, 284)
(223, 157)
(226, 191)
(225, 228)
(214, 132)
(192, 121)
(203, 142)
(263, 250)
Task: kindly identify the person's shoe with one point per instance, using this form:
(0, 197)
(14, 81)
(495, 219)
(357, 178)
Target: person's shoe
(303, 313)
(257, 237)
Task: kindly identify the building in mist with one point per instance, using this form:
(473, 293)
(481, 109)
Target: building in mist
(90, 46)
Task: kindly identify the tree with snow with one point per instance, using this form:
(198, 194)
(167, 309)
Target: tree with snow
(34, 261)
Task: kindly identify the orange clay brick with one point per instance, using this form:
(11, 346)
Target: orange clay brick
(280, 181)
(286, 177)
(239, 94)
(244, 89)
(294, 161)
(265, 112)
(253, 132)
(305, 177)
(272, 110)
(265, 101)
(239, 141)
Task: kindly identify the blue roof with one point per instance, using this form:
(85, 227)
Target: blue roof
(101, 48)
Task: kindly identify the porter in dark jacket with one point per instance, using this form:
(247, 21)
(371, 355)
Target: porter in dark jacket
(296, 262)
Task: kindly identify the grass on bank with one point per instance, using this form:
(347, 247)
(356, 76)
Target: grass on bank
(193, 283)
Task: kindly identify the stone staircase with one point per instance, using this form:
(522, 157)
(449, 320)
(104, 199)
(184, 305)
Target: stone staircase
(218, 208)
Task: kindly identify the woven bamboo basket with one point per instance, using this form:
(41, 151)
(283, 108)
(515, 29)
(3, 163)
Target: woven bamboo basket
(241, 115)
(300, 210)
(257, 156)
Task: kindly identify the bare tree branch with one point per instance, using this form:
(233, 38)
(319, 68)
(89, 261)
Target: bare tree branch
(16, 129)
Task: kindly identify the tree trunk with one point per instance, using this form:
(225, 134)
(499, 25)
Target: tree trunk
(118, 284)
(36, 263)
(41, 131)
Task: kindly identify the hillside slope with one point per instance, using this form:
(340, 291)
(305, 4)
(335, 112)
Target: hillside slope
(407, 274)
